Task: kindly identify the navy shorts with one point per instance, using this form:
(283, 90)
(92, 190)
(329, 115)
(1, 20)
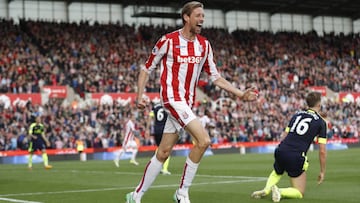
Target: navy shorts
(294, 163)
(158, 135)
(39, 145)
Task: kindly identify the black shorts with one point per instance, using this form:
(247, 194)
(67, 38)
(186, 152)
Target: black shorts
(158, 136)
(294, 163)
(38, 145)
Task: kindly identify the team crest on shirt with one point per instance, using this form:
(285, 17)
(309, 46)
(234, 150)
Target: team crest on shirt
(184, 115)
(155, 50)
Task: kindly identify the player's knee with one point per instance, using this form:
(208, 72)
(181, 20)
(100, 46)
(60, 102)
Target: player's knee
(203, 143)
(163, 154)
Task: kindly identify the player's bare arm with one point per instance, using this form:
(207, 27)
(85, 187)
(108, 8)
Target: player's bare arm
(45, 139)
(322, 159)
(283, 135)
(250, 94)
(142, 80)
(32, 136)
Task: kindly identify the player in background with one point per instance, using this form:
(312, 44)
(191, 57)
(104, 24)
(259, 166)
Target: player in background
(80, 147)
(129, 143)
(159, 116)
(38, 141)
(290, 155)
(182, 56)
(205, 118)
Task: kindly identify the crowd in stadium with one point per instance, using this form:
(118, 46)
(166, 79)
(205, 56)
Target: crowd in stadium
(107, 58)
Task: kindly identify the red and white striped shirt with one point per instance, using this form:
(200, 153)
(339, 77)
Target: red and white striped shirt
(181, 62)
(129, 132)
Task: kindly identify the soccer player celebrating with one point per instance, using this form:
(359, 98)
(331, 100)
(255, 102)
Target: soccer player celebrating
(290, 155)
(182, 55)
(38, 141)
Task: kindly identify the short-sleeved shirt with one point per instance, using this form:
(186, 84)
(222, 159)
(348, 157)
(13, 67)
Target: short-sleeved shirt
(290, 155)
(36, 129)
(181, 62)
(303, 127)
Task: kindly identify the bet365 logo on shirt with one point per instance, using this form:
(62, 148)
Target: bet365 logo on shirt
(189, 59)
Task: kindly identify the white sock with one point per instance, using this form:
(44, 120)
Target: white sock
(152, 170)
(118, 154)
(135, 151)
(189, 172)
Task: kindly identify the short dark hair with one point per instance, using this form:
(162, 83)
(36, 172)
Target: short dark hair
(313, 98)
(189, 7)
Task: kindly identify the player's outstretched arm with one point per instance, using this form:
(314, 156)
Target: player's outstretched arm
(250, 94)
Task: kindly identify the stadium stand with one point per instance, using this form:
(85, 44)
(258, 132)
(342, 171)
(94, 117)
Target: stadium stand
(106, 58)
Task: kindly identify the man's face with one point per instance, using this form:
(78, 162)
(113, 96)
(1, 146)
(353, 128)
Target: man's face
(196, 20)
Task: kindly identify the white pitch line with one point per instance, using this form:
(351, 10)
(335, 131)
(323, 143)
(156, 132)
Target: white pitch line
(17, 200)
(139, 174)
(127, 188)
(197, 175)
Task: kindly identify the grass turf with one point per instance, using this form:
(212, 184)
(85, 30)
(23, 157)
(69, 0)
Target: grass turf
(225, 178)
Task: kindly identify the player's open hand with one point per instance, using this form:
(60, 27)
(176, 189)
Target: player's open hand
(250, 94)
(142, 102)
(321, 178)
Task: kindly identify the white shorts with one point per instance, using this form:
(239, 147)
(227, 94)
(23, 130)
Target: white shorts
(130, 145)
(179, 115)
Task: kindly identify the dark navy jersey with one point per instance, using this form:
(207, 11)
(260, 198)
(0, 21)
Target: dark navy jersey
(160, 117)
(303, 127)
(36, 130)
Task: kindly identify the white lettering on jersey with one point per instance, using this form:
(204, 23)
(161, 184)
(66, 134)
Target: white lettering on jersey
(189, 59)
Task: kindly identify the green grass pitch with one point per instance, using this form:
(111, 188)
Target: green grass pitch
(224, 178)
